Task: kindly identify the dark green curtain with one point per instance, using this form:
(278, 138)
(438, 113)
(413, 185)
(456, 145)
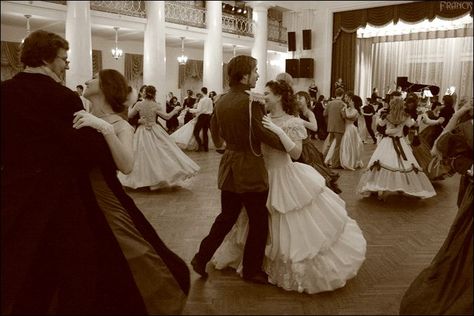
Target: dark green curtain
(345, 25)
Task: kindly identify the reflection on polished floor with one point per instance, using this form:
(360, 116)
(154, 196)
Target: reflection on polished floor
(403, 235)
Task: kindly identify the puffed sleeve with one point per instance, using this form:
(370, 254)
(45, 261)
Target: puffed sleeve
(296, 129)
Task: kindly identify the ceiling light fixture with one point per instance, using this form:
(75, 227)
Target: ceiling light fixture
(183, 58)
(27, 16)
(116, 52)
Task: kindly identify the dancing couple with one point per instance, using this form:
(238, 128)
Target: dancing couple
(313, 245)
(346, 146)
(73, 241)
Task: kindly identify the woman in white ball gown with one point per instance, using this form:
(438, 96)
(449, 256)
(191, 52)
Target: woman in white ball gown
(393, 167)
(158, 161)
(313, 245)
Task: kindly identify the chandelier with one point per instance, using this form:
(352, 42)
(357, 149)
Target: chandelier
(27, 16)
(116, 52)
(183, 58)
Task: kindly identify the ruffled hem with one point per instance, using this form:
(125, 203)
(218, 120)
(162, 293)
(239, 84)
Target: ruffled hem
(155, 184)
(413, 182)
(308, 231)
(327, 271)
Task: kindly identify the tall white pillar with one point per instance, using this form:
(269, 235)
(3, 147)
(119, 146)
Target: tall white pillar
(260, 35)
(154, 49)
(78, 34)
(213, 59)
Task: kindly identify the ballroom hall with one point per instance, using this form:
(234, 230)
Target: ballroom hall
(178, 46)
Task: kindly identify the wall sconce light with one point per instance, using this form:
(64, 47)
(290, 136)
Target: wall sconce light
(116, 52)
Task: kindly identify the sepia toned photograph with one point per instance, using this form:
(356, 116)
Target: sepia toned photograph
(236, 157)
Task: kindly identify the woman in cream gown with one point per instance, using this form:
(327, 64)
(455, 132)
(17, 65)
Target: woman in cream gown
(351, 143)
(313, 245)
(159, 163)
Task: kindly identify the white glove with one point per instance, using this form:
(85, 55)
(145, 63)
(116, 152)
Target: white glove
(285, 140)
(83, 118)
(268, 124)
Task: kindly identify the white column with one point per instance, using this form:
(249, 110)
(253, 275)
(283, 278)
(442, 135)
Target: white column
(260, 34)
(78, 34)
(213, 60)
(154, 49)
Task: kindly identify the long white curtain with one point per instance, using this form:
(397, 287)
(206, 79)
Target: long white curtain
(442, 59)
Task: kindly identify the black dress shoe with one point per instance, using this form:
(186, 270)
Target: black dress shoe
(199, 267)
(260, 278)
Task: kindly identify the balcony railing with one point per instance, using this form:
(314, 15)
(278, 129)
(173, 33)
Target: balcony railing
(130, 8)
(237, 25)
(186, 13)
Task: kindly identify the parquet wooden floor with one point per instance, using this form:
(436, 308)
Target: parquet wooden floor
(403, 235)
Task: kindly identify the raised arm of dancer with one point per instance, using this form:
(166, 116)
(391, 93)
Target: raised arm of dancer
(119, 142)
(132, 111)
(312, 124)
(162, 113)
(429, 121)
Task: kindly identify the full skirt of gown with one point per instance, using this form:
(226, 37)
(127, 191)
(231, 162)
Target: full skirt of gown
(362, 128)
(184, 138)
(313, 245)
(350, 154)
(434, 168)
(157, 272)
(388, 171)
(158, 162)
(445, 286)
